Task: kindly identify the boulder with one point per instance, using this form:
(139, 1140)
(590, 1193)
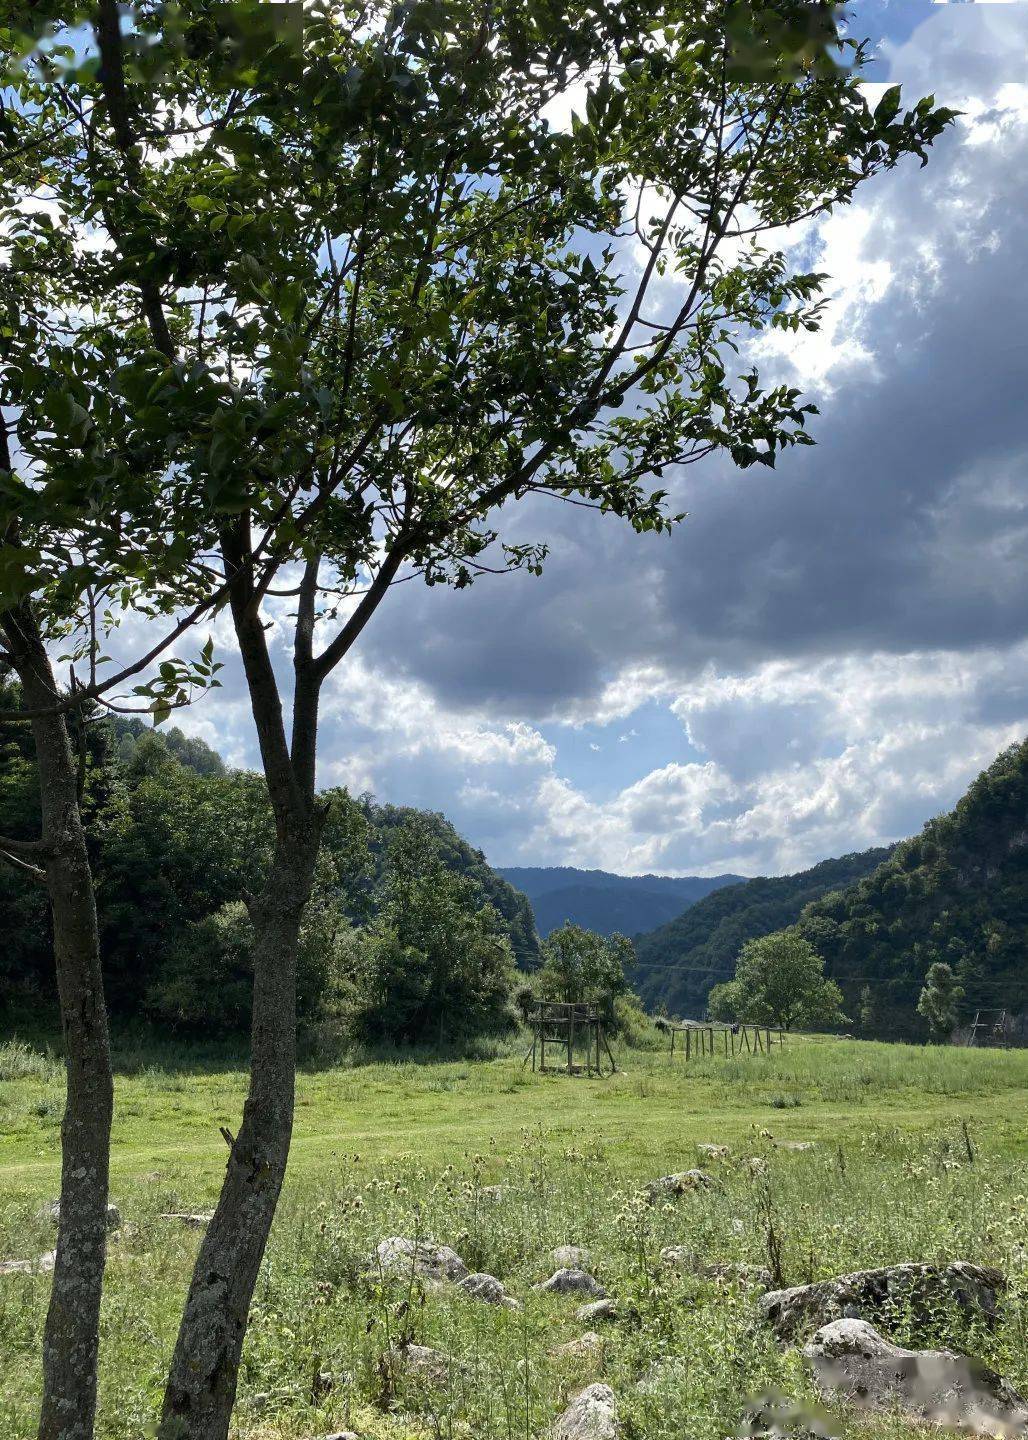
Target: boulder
(572, 1282)
(670, 1187)
(52, 1212)
(592, 1415)
(42, 1265)
(597, 1311)
(866, 1293)
(419, 1361)
(572, 1257)
(399, 1256)
(488, 1288)
(585, 1347)
(852, 1362)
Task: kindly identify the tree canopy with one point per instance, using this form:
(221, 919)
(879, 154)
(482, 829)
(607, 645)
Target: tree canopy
(779, 980)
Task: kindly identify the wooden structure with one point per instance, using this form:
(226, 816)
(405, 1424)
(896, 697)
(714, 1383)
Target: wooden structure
(564, 1027)
(990, 1027)
(701, 1039)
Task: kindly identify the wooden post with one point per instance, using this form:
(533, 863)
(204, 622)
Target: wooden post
(688, 1045)
(673, 1033)
(726, 1044)
(767, 1036)
(571, 1040)
(732, 1033)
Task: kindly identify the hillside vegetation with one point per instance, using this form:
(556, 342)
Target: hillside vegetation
(958, 892)
(604, 902)
(679, 963)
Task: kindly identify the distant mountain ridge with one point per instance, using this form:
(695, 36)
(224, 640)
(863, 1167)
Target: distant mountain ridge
(679, 962)
(604, 902)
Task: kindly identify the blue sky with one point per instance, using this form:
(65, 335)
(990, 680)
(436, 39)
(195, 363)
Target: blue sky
(821, 657)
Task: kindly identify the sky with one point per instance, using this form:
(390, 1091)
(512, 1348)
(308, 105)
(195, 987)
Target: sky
(822, 656)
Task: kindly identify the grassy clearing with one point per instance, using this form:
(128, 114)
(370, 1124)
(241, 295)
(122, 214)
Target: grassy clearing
(404, 1149)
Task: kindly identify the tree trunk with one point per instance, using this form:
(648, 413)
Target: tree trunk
(201, 1385)
(71, 1336)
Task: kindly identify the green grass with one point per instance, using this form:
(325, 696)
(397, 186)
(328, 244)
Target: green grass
(404, 1147)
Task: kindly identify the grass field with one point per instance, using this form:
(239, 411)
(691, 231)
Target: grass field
(917, 1154)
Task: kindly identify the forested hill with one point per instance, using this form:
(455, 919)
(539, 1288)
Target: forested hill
(605, 902)
(957, 892)
(679, 962)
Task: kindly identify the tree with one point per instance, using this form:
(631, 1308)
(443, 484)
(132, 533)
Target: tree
(779, 980)
(581, 967)
(939, 1001)
(340, 297)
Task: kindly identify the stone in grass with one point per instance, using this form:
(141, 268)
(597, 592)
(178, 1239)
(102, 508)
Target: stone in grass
(921, 1288)
(592, 1415)
(680, 1257)
(399, 1256)
(852, 1362)
(794, 1145)
(713, 1152)
(341, 1435)
(42, 1265)
(420, 1362)
(584, 1347)
(198, 1221)
(572, 1282)
(597, 1311)
(572, 1257)
(52, 1212)
(671, 1187)
(486, 1287)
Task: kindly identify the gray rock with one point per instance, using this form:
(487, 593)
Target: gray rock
(199, 1221)
(851, 1361)
(486, 1287)
(680, 1257)
(42, 1265)
(572, 1282)
(52, 1212)
(867, 1293)
(592, 1415)
(713, 1152)
(585, 1347)
(420, 1361)
(399, 1256)
(572, 1257)
(597, 1311)
(670, 1187)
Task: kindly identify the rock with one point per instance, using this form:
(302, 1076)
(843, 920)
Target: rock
(487, 1288)
(713, 1152)
(398, 1255)
(42, 1265)
(680, 1257)
(52, 1212)
(193, 1222)
(572, 1257)
(794, 1145)
(597, 1311)
(851, 1361)
(592, 1415)
(670, 1187)
(865, 1293)
(572, 1282)
(586, 1347)
(431, 1366)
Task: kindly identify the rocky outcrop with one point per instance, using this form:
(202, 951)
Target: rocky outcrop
(486, 1287)
(592, 1415)
(868, 1294)
(851, 1361)
(572, 1282)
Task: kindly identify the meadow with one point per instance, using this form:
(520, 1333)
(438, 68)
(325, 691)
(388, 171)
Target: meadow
(913, 1154)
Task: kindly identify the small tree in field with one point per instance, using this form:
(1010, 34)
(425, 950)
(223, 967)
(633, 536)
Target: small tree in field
(779, 980)
(293, 316)
(939, 1001)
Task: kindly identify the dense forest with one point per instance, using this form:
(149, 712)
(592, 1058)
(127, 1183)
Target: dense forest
(604, 902)
(680, 962)
(957, 892)
(178, 842)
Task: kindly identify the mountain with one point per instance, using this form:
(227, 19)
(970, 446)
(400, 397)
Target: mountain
(957, 892)
(679, 962)
(604, 902)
